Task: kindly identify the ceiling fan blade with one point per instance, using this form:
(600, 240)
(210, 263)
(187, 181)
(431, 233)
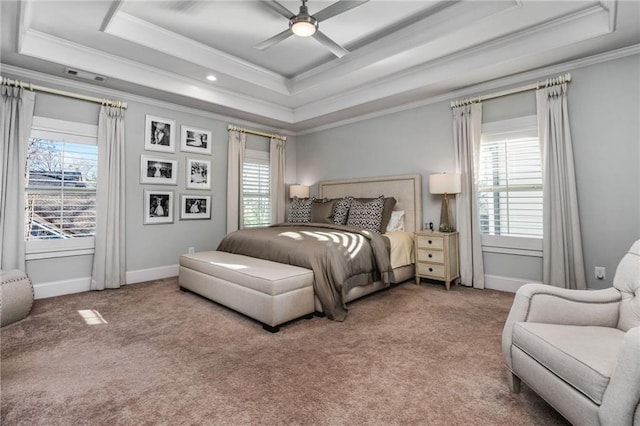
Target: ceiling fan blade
(181, 5)
(334, 47)
(338, 8)
(277, 7)
(273, 40)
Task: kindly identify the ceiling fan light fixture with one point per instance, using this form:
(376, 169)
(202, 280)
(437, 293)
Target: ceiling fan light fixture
(303, 25)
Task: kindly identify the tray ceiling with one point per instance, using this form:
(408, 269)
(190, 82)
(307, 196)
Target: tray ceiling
(399, 51)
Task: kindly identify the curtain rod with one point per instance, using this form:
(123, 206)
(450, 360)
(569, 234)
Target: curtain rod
(554, 81)
(255, 132)
(108, 102)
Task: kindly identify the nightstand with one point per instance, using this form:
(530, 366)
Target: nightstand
(437, 256)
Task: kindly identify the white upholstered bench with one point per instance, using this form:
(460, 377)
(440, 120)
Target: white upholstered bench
(270, 292)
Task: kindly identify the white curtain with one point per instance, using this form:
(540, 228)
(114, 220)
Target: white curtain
(237, 143)
(109, 260)
(277, 166)
(467, 129)
(563, 265)
(16, 118)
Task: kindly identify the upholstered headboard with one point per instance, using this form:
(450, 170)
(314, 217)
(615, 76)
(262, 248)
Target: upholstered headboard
(407, 190)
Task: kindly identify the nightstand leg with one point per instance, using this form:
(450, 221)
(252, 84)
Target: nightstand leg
(417, 280)
(447, 284)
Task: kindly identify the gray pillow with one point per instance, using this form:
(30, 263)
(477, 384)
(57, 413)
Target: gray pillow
(366, 215)
(322, 211)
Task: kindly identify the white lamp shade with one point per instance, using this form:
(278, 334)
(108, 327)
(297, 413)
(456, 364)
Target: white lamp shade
(300, 191)
(445, 183)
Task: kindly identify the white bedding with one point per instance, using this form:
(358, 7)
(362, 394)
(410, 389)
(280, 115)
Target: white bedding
(401, 248)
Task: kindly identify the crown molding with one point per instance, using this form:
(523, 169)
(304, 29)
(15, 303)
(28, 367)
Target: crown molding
(418, 34)
(89, 89)
(57, 50)
(141, 32)
(585, 23)
(471, 91)
(494, 85)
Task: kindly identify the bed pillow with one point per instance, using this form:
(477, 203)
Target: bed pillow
(366, 215)
(396, 223)
(341, 210)
(322, 210)
(300, 210)
(389, 204)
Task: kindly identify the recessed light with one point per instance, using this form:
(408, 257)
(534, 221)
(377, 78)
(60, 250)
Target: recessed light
(211, 77)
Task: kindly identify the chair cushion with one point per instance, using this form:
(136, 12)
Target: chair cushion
(582, 356)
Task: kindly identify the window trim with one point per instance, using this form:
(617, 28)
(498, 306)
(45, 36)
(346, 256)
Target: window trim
(67, 131)
(506, 244)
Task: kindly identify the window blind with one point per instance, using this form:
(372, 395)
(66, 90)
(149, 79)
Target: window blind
(60, 194)
(510, 184)
(256, 196)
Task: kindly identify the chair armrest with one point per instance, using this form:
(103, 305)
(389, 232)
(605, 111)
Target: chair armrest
(621, 400)
(553, 305)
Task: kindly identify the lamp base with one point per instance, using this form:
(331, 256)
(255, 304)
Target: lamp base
(444, 216)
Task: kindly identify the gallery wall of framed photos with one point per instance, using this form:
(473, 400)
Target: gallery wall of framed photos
(160, 166)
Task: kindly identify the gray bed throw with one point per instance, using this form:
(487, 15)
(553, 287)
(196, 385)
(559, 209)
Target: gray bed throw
(334, 253)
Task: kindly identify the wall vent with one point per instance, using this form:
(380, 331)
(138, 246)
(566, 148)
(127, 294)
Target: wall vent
(85, 75)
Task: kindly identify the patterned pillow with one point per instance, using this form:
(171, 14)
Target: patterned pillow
(341, 211)
(366, 215)
(389, 204)
(300, 210)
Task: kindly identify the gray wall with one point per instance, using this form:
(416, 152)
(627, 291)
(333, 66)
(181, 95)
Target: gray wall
(604, 111)
(151, 246)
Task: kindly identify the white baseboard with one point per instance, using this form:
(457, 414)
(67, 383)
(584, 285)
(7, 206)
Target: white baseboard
(497, 282)
(142, 275)
(60, 288)
(79, 285)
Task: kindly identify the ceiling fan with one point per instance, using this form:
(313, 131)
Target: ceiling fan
(305, 25)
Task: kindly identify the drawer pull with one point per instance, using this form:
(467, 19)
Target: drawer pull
(430, 269)
(430, 255)
(430, 242)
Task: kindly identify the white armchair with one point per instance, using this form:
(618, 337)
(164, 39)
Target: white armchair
(580, 350)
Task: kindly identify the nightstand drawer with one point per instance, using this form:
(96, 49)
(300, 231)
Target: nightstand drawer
(431, 270)
(434, 256)
(425, 241)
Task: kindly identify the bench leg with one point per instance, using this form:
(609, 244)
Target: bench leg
(270, 328)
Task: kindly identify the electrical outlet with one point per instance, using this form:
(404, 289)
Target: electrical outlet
(601, 272)
(192, 250)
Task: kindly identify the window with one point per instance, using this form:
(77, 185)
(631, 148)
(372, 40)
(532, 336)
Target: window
(256, 189)
(510, 179)
(60, 191)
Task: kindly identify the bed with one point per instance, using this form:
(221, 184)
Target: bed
(360, 264)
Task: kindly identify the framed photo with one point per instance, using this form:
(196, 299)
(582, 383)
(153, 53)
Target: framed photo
(158, 206)
(195, 140)
(198, 176)
(159, 134)
(195, 207)
(158, 170)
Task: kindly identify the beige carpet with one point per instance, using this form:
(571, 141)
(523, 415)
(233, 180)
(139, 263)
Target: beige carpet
(411, 355)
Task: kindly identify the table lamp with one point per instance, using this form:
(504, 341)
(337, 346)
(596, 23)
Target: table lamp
(300, 191)
(445, 183)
